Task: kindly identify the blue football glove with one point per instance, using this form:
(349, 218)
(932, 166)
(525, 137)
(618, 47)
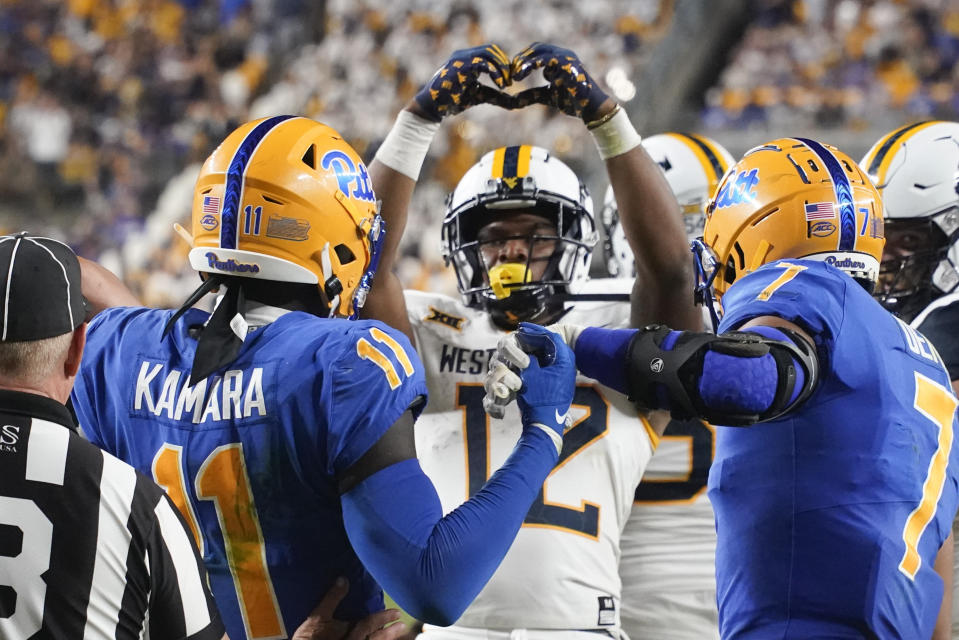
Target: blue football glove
(548, 378)
(569, 87)
(456, 85)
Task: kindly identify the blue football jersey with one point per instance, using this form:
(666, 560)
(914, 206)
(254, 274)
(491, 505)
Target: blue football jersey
(829, 518)
(251, 455)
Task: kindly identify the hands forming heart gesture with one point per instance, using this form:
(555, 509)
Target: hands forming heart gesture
(456, 85)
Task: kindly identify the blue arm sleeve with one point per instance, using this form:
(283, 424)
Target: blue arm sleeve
(744, 385)
(434, 566)
(601, 355)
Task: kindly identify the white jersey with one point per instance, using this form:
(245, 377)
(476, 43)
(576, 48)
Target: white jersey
(669, 543)
(561, 571)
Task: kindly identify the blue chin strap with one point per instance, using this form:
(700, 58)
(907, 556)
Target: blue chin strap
(706, 268)
(376, 236)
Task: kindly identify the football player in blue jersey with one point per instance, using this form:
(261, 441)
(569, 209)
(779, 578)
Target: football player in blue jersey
(833, 516)
(280, 427)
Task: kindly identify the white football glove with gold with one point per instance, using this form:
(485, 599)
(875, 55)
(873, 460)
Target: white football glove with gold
(502, 381)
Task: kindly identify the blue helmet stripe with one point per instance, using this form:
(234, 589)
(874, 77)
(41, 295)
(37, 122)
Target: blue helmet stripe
(843, 190)
(233, 193)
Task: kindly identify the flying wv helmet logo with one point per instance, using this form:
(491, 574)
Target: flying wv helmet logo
(353, 181)
(738, 191)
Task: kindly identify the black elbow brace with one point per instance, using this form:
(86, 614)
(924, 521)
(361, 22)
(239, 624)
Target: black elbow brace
(669, 379)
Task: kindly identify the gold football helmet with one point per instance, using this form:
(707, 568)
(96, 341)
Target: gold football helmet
(790, 198)
(286, 199)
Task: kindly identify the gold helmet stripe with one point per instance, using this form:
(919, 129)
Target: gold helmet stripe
(511, 162)
(498, 157)
(885, 150)
(711, 161)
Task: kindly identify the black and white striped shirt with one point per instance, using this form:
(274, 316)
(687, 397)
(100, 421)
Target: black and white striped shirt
(89, 548)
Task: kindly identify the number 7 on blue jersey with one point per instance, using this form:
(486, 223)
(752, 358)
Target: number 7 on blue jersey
(938, 404)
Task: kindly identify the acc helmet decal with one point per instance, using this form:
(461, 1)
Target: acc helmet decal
(843, 190)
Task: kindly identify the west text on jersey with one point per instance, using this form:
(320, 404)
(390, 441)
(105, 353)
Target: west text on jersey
(458, 360)
(237, 394)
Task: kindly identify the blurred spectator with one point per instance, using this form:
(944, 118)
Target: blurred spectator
(899, 57)
(132, 91)
(103, 101)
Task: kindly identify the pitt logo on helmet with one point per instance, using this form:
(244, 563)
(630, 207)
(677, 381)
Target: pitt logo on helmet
(742, 190)
(353, 179)
(814, 202)
(292, 218)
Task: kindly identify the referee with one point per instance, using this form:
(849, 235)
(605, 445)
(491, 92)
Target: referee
(89, 548)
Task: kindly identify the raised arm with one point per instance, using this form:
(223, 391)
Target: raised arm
(649, 212)
(454, 87)
(103, 289)
(385, 301)
(652, 222)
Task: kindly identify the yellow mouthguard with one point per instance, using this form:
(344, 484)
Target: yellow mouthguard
(505, 274)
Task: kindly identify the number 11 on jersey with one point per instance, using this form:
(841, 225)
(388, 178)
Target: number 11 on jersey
(223, 479)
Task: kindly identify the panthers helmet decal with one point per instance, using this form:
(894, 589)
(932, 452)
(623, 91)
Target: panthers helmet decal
(791, 198)
(916, 170)
(693, 166)
(506, 182)
(287, 199)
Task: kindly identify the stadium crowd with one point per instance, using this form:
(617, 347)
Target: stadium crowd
(102, 102)
(107, 110)
(839, 63)
(114, 104)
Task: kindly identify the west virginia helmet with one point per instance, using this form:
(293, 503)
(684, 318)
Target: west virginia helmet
(506, 182)
(286, 199)
(916, 170)
(791, 198)
(693, 166)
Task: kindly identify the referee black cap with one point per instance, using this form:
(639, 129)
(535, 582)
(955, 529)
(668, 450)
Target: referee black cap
(40, 294)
